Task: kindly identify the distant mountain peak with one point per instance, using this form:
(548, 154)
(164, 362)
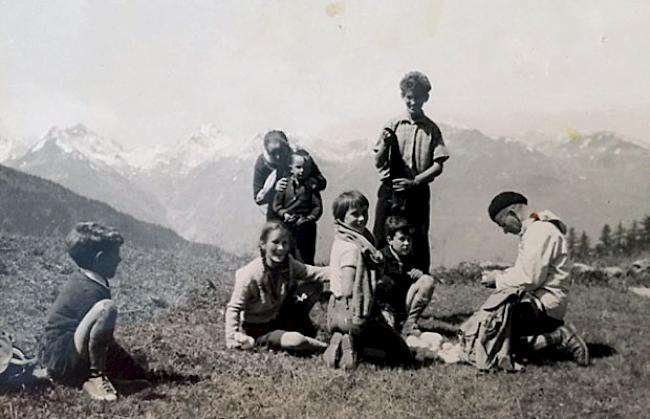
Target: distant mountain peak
(81, 142)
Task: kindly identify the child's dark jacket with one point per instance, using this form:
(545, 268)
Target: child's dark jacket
(395, 282)
(298, 199)
(77, 296)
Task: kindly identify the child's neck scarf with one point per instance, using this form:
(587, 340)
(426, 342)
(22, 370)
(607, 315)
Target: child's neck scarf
(276, 280)
(365, 276)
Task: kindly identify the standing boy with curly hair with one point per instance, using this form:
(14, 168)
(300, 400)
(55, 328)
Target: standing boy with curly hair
(409, 155)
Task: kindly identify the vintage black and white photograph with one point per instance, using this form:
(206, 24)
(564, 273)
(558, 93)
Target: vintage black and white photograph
(324, 209)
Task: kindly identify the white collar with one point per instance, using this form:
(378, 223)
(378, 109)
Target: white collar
(399, 259)
(94, 276)
(525, 224)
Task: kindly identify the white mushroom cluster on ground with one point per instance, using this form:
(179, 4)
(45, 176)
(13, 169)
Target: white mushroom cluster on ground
(430, 345)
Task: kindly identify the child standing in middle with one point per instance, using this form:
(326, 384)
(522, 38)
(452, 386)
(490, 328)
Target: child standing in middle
(354, 319)
(299, 207)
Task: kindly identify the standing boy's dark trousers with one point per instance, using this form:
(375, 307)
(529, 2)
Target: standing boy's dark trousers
(305, 241)
(413, 205)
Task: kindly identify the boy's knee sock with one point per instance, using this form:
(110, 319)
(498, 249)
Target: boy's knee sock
(420, 301)
(98, 344)
(548, 339)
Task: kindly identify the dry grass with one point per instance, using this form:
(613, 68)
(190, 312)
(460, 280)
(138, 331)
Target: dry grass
(198, 377)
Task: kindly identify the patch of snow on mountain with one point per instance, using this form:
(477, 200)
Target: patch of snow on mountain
(209, 143)
(78, 139)
(144, 158)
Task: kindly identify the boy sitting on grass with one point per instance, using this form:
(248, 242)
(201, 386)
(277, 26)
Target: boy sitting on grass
(299, 207)
(80, 324)
(403, 291)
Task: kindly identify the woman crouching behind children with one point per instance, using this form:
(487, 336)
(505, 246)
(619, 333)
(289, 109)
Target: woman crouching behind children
(273, 296)
(358, 328)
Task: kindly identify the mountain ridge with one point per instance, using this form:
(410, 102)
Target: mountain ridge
(206, 193)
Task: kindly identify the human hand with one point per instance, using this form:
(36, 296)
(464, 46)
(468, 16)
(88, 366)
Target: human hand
(357, 325)
(385, 283)
(301, 220)
(388, 137)
(488, 279)
(403, 184)
(415, 274)
(289, 218)
(281, 184)
(242, 341)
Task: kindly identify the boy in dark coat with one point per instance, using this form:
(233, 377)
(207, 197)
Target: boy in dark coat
(403, 291)
(80, 324)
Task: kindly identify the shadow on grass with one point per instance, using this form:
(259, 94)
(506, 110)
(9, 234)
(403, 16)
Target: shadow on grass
(555, 355)
(153, 379)
(445, 325)
(455, 318)
(171, 377)
(600, 350)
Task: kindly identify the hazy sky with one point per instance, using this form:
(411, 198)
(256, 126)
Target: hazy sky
(146, 71)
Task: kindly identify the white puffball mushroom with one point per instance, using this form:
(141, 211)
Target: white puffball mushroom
(431, 340)
(245, 342)
(413, 342)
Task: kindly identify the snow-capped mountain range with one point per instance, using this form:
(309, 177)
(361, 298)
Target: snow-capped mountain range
(201, 187)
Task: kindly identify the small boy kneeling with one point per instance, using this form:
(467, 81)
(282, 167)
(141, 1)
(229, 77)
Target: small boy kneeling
(80, 324)
(403, 291)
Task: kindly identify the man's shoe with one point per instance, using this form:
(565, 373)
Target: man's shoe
(349, 357)
(332, 354)
(574, 344)
(100, 388)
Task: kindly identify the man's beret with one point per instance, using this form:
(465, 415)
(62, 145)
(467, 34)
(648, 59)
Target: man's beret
(503, 200)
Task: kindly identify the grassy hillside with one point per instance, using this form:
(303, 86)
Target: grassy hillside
(148, 282)
(37, 207)
(204, 380)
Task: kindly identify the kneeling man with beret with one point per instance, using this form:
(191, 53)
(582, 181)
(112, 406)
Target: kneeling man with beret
(541, 270)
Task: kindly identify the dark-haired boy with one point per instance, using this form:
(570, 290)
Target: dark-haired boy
(403, 291)
(299, 207)
(409, 155)
(80, 324)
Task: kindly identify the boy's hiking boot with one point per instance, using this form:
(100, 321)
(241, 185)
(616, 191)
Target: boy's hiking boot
(100, 388)
(332, 354)
(349, 356)
(574, 344)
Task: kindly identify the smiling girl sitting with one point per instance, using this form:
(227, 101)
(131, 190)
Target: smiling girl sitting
(272, 297)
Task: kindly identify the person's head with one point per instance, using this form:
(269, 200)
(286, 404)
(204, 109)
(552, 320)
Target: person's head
(95, 247)
(507, 210)
(274, 243)
(415, 88)
(276, 145)
(351, 208)
(299, 166)
(399, 235)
